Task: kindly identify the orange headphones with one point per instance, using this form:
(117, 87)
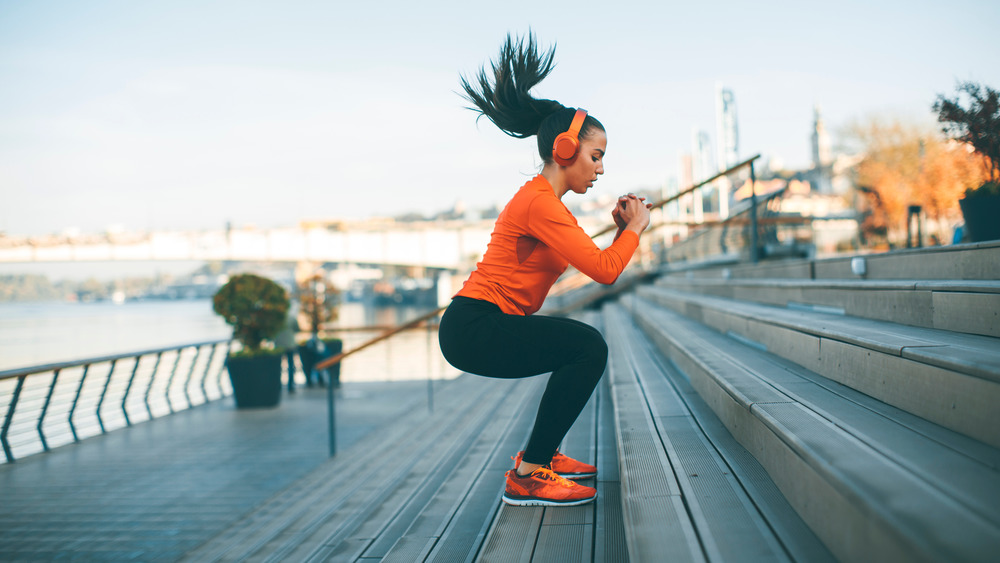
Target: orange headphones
(566, 144)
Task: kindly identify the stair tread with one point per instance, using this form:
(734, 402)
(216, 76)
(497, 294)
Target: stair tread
(876, 454)
(974, 355)
(971, 286)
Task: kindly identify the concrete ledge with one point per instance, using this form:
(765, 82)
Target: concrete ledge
(976, 261)
(951, 379)
(971, 307)
(692, 502)
(861, 482)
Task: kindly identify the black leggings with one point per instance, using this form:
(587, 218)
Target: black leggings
(477, 337)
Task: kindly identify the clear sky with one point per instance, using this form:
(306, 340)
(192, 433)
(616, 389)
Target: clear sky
(187, 114)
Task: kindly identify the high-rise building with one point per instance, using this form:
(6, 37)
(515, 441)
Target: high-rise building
(822, 153)
(702, 169)
(726, 130)
(727, 144)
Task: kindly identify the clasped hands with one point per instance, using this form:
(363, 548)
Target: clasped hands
(631, 212)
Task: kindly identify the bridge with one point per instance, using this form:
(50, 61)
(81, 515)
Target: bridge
(445, 245)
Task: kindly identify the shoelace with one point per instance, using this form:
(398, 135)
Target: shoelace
(547, 474)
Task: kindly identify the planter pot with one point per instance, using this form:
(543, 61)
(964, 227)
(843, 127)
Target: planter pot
(309, 357)
(982, 217)
(256, 381)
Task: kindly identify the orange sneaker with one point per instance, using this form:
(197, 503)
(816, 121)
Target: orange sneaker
(565, 466)
(542, 487)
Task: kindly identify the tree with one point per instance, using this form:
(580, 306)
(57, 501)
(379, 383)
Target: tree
(908, 165)
(978, 124)
(318, 301)
(254, 306)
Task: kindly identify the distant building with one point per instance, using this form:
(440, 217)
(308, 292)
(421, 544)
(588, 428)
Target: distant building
(701, 155)
(822, 152)
(726, 130)
(703, 168)
(727, 144)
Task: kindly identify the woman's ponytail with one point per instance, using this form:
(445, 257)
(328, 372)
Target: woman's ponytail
(506, 100)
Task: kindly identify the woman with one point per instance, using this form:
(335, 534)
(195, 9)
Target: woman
(489, 328)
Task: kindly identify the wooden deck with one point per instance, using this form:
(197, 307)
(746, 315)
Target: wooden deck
(723, 430)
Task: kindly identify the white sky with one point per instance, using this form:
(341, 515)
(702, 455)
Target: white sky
(186, 114)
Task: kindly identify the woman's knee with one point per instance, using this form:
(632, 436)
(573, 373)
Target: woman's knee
(595, 351)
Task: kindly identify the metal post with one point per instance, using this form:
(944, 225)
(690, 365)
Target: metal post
(10, 417)
(45, 409)
(914, 211)
(754, 256)
(152, 380)
(430, 381)
(222, 368)
(208, 366)
(170, 380)
(331, 418)
(135, 370)
(107, 383)
(72, 409)
(187, 382)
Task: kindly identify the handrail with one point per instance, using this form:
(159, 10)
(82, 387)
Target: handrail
(93, 396)
(410, 324)
(18, 372)
(687, 191)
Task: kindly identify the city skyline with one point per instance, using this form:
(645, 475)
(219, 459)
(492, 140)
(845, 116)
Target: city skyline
(186, 115)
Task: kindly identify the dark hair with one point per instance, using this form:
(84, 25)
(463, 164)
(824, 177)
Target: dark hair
(509, 105)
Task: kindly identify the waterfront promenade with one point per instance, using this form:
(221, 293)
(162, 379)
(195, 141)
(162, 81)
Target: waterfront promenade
(154, 491)
(794, 410)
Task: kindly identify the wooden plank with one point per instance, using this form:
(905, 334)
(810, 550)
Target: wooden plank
(657, 525)
(439, 493)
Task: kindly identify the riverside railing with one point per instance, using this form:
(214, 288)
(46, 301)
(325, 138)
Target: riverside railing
(52, 405)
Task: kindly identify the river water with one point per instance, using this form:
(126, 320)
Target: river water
(44, 333)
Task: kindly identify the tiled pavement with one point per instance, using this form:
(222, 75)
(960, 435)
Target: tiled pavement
(156, 490)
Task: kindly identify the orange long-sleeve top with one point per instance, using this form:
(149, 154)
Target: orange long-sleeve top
(534, 239)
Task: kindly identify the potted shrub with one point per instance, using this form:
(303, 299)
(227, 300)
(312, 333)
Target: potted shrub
(318, 300)
(256, 307)
(979, 126)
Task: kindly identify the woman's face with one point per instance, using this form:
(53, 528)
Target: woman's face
(589, 163)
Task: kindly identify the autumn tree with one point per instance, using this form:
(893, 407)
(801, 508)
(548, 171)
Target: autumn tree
(977, 124)
(905, 165)
(318, 301)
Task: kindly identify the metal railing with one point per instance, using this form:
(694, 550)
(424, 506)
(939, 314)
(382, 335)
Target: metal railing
(52, 405)
(47, 406)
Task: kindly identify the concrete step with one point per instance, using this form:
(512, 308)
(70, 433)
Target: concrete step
(967, 306)
(872, 481)
(689, 491)
(976, 261)
(950, 378)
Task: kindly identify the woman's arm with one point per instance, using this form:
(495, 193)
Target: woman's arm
(551, 223)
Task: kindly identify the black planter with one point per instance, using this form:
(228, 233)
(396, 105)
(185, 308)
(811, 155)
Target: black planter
(982, 217)
(310, 357)
(256, 381)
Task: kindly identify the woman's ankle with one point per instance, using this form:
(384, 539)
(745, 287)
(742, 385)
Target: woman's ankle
(526, 468)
